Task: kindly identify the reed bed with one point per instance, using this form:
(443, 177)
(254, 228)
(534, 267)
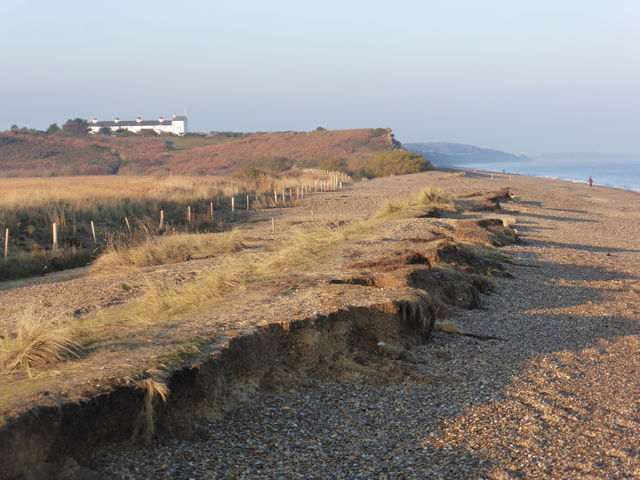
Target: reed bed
(89, 211)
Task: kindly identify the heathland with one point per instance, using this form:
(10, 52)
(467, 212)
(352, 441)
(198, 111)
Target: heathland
(361, 152)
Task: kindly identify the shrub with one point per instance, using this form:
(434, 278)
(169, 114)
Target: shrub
(378, 132)
(76, 127)
(334, 165)
(251, 172)
(396, 162)
(275, 164)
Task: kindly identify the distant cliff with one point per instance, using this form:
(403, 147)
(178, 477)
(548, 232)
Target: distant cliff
(457, 154)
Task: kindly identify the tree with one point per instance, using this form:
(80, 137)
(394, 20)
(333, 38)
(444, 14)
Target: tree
(77, 127)
(53, 128)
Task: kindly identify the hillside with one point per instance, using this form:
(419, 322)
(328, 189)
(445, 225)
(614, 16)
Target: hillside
(219, 153)
(457, 154)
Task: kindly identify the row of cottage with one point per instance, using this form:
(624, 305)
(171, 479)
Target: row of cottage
(176, 126)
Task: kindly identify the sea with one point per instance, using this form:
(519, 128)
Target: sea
(623, 174)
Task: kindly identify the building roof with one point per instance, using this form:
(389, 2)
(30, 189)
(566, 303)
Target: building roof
(133, 123)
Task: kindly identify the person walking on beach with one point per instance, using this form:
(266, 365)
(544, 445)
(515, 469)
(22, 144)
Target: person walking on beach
(590, 181)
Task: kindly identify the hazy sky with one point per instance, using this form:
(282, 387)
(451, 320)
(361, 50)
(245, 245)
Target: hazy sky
(526, 76)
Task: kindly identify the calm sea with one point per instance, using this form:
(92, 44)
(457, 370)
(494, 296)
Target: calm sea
(621, 174)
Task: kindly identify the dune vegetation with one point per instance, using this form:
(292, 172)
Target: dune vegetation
(91, 213)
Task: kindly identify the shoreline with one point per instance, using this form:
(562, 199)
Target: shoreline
(550, 177)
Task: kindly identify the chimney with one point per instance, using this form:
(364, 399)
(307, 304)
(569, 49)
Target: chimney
(117, 119)
(138, 119)
(161, 119)
(94, 120)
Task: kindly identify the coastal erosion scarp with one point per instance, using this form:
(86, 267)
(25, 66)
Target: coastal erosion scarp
(347, 341)
(386, 305)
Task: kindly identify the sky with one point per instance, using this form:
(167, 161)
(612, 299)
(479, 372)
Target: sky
(524, 76)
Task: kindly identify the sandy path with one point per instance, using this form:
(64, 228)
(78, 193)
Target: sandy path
(558, 399)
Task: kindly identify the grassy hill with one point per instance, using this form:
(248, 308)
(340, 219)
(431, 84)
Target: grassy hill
(364, 152)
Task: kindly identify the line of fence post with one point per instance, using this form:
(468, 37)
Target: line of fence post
(319, 185)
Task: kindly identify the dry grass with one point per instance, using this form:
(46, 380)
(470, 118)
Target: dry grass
(447, 326)
(154, 391)
(158, 250)
(430, 196)
(165, 302)
(36, 342)
(29, 207)
(87, 193)
(391, 209)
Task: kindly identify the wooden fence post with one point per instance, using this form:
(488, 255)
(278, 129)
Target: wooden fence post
(93, 233)
(55, 237)
(161, 226)
(247, 203)
(211, 210)
(233, 204)
(189, 213)
(6, 244)
(126, 221)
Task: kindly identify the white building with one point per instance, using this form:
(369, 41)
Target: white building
(176, 126)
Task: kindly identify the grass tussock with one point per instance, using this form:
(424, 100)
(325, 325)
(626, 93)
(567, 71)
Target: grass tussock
(158, 250)
(36, 342)
(447, 326)
(427, 200)
(391, 209)
(433, 196)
